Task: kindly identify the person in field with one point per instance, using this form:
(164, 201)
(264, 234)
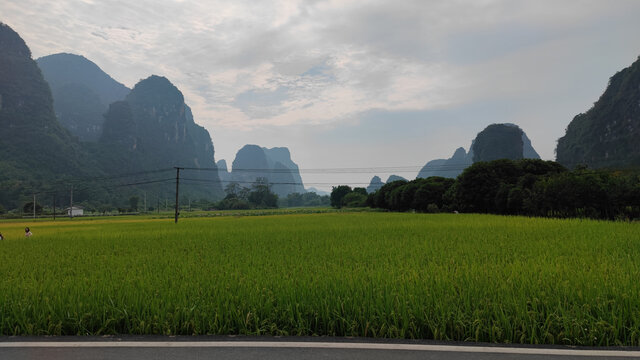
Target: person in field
(27, 232)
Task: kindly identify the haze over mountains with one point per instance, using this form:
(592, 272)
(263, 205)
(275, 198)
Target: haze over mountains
(34, 147)
(71, 119)
(81, 92)
(496, 141)
(151, 129)
(274, 165)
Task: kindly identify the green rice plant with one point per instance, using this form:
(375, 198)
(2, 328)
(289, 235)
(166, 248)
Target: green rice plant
(393, 275)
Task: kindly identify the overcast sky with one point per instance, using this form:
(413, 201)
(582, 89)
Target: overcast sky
(353, 83)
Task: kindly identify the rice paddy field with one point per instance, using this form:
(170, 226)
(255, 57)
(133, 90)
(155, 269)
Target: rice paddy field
(395, 275)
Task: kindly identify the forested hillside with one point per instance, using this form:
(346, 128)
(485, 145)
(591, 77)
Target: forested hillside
(608, 134)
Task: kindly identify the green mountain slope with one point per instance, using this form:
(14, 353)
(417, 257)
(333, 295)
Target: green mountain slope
(34, 148)
(608, 135)
(153, 129)
(81, 93)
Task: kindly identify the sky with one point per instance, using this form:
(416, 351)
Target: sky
(382, 86)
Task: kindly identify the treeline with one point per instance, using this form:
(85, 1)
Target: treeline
(514, 187)
(308, 199)
(260, 196)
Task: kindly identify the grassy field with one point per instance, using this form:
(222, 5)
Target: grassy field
(445, 276)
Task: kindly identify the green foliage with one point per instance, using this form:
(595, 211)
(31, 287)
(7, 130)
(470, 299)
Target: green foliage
(234, 190)
(338, 193)
(233, 203)
(28, 208)
(485, 187)
(34, 148)
(588, 193)
(607, 135)
(525, 187)
(432, 208)
(360, 190)
(431, 191)
(354, 199)
(382, 197)
(133, 203)
(306, 199)
(261, 195)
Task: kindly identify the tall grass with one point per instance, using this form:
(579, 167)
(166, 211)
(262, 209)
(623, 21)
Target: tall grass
(445, 277)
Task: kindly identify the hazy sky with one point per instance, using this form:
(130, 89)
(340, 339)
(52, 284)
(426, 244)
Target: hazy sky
(353, 83)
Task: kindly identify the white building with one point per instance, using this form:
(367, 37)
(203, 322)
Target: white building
(75, 211)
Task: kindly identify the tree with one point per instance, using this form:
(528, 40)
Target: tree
(28, 208)
(232, 190)
(360, 190)
(133, 203)
(381, 198)
(432, 191)
(104, 208)
(485, 186)
(261, 195)
(354, 199)
(338, 193)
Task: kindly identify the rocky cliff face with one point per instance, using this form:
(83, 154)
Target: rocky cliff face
(156, 129)
(608, 134)
(81, 93)
(253, 161)
(223, 173)
(34, 147)
(393, 178)
(498, 141)
(31, 139)
(449, 168)
(375, 184)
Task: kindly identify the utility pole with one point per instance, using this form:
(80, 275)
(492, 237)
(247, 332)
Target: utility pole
(189, 204)
(54, 206)
(177, 192)
(158, 207)
(71, 204)
(34, 206)
(145, 202)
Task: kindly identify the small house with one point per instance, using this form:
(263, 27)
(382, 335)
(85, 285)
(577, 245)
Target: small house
(75, 211)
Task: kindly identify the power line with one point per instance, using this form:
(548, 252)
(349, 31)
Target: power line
(258, 182)
(347, 170)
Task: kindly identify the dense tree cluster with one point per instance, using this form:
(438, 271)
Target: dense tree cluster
(345, 196)
(517, 187)
(305, 199)
(238, 197)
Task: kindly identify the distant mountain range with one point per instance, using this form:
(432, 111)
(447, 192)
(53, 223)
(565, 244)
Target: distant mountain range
(64, 118)
(496, 141)
(116, 130)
